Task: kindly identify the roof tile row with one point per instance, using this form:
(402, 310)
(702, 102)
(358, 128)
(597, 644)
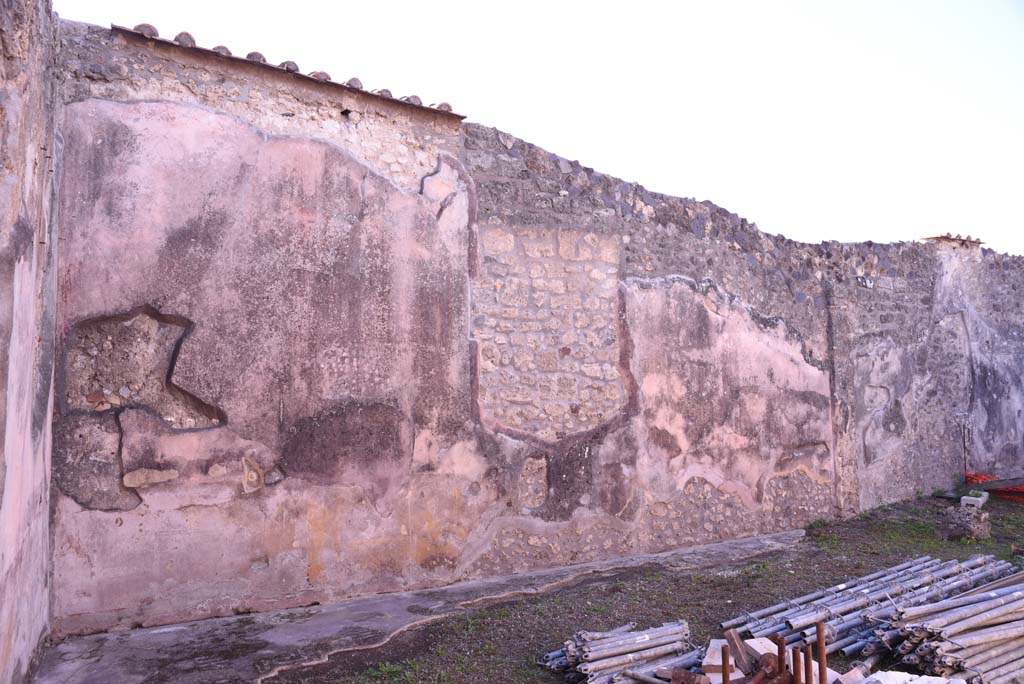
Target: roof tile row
(185, 40)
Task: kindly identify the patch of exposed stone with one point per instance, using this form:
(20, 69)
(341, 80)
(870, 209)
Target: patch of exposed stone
(115, 364)
(545, 309)
(127, 360)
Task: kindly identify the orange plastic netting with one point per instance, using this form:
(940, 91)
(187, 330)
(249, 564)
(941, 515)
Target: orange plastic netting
(1012, 493)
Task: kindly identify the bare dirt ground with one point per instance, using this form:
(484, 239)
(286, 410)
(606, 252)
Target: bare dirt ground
(500, 643)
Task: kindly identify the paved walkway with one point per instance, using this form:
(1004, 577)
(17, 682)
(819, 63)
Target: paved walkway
(253, 648)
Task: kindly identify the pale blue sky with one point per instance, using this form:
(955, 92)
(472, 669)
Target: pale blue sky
(857, 120)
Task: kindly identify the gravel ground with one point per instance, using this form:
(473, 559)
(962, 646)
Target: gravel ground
(500, 643)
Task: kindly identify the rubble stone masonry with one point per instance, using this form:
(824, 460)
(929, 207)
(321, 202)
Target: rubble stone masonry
(545, 315)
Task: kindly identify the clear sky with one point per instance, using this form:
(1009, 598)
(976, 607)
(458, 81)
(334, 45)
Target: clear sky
(821, 120)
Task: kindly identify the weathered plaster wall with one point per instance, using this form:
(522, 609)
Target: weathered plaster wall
(777, 283)
(928, 353)
(264, 395)
(256, 356)
(27, 300)
(980, 295)
(897, 378)
(730, 408)
(315, 343)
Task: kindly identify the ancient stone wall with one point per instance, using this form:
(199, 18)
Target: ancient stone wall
(720, 333)
(27, 304)
(316, 342)
(928, 356)
(257, 365)
(919, 340)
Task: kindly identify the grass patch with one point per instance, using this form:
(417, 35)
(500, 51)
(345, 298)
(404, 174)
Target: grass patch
(392, 673)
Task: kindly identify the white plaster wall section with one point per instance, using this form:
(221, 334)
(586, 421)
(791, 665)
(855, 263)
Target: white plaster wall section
(882, 380)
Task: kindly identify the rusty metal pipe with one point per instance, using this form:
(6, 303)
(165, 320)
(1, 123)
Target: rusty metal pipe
(993, 662)
(993, 609)
(896, 588)
(647, 679)
(822, 655)
(686, 660)
(957, 584)
(1007, 631)
(679, 628)
(845, 620)
(836, 598)
(611, 633)
(830, 598)
(648, 667)
(848, 642)
(854, 648)
(985, 651)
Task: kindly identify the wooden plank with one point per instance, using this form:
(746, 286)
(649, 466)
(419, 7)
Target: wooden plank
(713, 658)
(745, 656)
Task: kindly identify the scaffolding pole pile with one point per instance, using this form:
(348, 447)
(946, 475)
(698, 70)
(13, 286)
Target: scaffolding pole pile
(978, 637)
(939, 617)
(605, 657)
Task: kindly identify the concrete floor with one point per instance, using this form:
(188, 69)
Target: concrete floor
(253, 648)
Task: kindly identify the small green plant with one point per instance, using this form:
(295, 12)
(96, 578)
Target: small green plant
(759, 568)
(392, 673)
(829, 542)
(530, 673)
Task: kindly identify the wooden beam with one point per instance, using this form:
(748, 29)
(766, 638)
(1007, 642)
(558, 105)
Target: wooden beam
(745, 656)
